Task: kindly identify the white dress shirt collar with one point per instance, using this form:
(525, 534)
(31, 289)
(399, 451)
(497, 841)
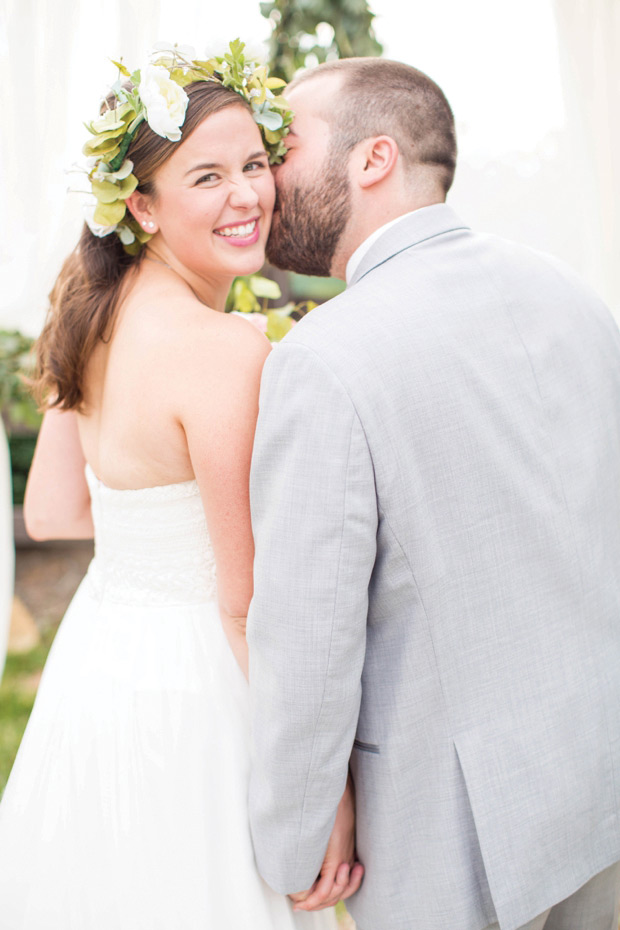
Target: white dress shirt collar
(361, 250)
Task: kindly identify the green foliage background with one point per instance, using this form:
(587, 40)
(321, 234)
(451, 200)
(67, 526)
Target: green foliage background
(296, 44)
(17, 406)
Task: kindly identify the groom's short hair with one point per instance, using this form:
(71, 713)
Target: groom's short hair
(382, 97)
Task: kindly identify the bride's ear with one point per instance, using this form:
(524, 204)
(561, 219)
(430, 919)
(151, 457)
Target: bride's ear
(139, 206)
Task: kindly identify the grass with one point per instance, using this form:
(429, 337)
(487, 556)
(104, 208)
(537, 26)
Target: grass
(17, 694)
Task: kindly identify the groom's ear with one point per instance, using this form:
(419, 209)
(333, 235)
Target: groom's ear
(379, 155)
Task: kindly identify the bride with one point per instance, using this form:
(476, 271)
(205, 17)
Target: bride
(126, 808)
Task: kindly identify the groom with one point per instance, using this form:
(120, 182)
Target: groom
(436, 506)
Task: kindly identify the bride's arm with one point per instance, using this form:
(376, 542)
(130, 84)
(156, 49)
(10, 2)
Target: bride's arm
(57, 500)
(219, 418)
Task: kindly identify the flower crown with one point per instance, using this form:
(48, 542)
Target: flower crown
(156, 95)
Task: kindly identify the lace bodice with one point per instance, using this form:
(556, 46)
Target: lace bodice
(151, 545)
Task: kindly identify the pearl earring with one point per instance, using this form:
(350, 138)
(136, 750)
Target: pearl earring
(150, 225)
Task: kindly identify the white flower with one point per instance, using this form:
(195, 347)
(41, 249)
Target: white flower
(264, 116)
(165, 102)
(126, 235)
(89, 206)
(103, 172)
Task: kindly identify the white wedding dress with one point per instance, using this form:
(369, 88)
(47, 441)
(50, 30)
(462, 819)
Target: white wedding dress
(127, 805)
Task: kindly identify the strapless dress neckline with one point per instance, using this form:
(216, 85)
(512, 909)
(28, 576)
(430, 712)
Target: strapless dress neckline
(93, 479)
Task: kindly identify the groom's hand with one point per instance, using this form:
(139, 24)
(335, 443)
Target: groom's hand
(341, 874)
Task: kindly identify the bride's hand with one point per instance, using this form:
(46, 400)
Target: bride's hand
(341, 874)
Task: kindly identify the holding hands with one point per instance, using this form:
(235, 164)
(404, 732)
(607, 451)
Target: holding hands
(341, 874)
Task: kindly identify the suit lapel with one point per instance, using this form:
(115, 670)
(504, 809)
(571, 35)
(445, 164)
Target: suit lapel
(421, 225)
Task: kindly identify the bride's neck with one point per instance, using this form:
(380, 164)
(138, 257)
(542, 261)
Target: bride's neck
(210, 292)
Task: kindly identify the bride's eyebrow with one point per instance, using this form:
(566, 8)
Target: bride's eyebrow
(208, 166)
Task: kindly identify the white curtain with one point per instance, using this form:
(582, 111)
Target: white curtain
(589, 33)
(53, 56)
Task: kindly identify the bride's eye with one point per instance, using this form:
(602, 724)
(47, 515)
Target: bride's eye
(207, 179)
(255, 165)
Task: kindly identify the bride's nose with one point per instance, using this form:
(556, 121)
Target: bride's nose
(242, 193)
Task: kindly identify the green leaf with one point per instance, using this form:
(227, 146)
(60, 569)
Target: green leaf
(109, 214)
(101, 147)
(241, 297)
(236, 47)
(183, 77)
(279, 324)
(209, 66)
(127, 186)
(133, 248)
(264, 287)
(105, 191)
(141, 234)
(280, 103)
(121, 67)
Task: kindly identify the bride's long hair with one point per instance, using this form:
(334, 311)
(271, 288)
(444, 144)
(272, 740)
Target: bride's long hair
(87, 292)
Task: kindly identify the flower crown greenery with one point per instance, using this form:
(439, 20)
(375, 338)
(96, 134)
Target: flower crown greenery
(156, 95)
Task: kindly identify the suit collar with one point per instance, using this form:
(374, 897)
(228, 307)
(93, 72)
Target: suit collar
(413, 229)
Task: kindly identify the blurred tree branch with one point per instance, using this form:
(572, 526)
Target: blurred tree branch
(310, 32)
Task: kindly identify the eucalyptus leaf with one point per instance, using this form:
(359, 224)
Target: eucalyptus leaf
(105, 192)
(106, 126)
(109, 214)
(267, 118)
(141, 234)
(108, 148)
(127, 186)
(133, 248)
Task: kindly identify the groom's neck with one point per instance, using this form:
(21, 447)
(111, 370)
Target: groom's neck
(365, 219)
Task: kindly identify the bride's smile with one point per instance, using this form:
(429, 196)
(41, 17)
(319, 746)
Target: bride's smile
(212, 204)
(241, 233)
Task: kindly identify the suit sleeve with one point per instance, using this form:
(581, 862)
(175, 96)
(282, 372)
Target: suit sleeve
(314, 514)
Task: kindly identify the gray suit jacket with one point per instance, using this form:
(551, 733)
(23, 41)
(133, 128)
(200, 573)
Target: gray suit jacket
(436, 506)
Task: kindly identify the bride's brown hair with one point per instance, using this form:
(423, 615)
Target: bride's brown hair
(85, 297)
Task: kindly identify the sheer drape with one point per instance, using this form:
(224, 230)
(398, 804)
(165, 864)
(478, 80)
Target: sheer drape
(53, 63)
(589, 35)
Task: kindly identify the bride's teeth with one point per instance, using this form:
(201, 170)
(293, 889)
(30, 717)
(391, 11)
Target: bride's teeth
(239, 231)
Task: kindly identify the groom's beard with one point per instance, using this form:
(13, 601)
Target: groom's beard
(308, 223)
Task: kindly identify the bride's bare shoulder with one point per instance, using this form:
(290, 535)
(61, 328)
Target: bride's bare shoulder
(179, 323)
(222, 337)
(200, 349)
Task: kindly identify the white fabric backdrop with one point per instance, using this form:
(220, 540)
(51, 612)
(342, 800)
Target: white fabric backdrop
(541, 174)
(590, 58)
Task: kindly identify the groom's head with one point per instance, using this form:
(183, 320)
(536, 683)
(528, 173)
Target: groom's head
(371, 139)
